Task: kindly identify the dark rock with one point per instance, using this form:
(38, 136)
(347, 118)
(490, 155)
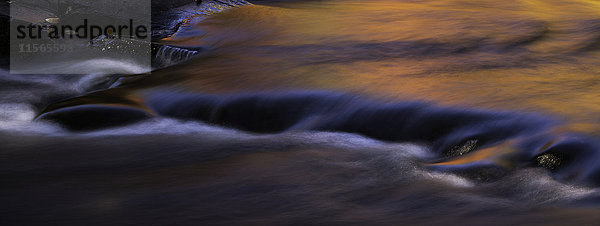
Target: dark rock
(548, 161)
(463, 148)
(4, 41)
(91, 117)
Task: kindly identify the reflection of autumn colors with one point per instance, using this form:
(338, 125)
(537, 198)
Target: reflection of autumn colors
(535, 56)
(312, 113)
(527, 55)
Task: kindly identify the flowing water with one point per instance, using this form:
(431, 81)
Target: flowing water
(320, 112)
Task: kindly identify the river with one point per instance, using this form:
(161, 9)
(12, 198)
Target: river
(330, 112)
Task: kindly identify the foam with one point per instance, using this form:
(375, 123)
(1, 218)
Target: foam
(18, 117)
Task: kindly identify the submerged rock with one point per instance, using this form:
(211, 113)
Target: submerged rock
(91, 117)
(479, 172)
(165, 55)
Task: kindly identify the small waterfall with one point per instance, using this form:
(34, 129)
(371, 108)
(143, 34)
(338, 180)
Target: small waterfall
(169, 55)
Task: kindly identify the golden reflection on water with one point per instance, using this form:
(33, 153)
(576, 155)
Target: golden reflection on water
(545, 73)
(528, 55)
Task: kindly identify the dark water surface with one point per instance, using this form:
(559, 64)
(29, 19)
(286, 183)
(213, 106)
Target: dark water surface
(320, 113)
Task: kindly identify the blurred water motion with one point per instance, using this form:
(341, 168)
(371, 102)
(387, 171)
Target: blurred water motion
(528, 55)
(322, 112)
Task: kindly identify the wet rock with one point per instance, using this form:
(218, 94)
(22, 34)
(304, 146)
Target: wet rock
(112, 45)
(573, 158)
(165, 55)
(548, 161)
(463, 148)
(4, 40)
(91, 117)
